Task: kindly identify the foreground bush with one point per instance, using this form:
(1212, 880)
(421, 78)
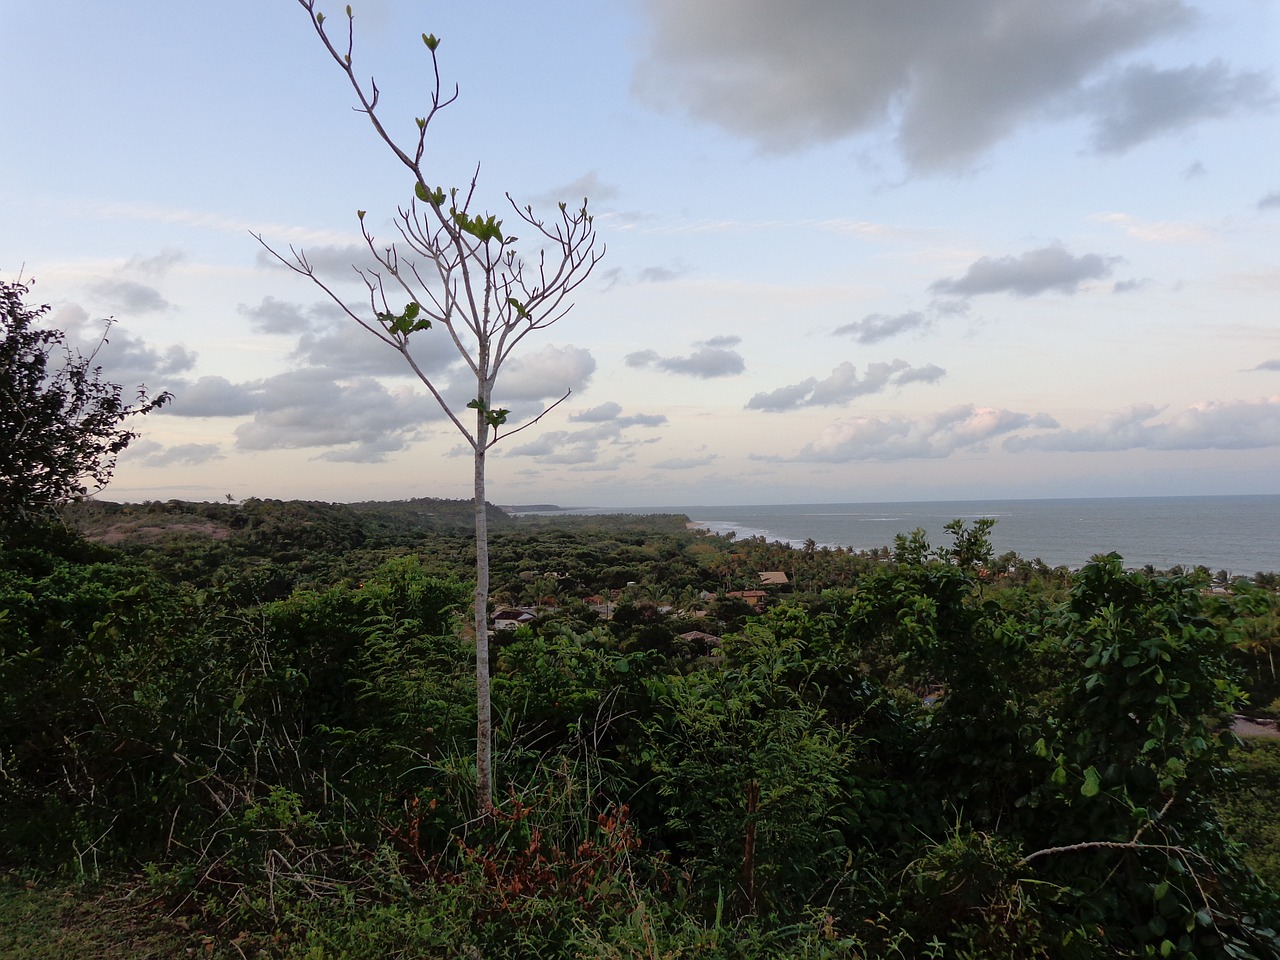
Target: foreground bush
(913, 767)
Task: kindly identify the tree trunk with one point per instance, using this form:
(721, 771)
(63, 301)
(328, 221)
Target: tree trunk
(484, 723)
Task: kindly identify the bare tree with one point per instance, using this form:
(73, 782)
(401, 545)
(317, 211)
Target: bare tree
(460, 273)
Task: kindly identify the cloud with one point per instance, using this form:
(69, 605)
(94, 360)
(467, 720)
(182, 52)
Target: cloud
(125, 358)
(212, 397)
(610, 412)
(588, 186)
(276, 316)
(348, 349)
(1032, 273)
(157, 265)
(948, 79)
(661, 274)
(183, 454)
(1268, 365)
(606, 411)
(334, 262)
(843, 385)
(1211, 425)
(130, 297)
(1128, 286)
(904, 438)
(586, 446)
(710, 358)
(1270, 202)
(686, 463)
(1143, 101)
(880, 326)
(308, 408)
(544, 374)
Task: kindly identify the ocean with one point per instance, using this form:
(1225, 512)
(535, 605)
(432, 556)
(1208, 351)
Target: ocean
(1238, 534)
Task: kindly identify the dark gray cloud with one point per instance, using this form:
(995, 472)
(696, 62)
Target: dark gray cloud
(348, 349)
(949, 79)
(710, 358)
(1270, 202)
(881, 326)
(1142, 101)
(133, 359)
(1214, 425)
(964, 427)
(128, 296)
(604, 412)
(1050, 268)
(610, 412)
(843, 385)
(213, 397)
(125, 358)
(929, 373)
(277, 316)
(723, 342)
(361, 419)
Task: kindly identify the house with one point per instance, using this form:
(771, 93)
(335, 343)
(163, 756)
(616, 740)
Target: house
(754, 598)
(773, 578)
(509, 618)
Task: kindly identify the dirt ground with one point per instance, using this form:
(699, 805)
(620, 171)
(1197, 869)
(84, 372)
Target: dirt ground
(1253, 728)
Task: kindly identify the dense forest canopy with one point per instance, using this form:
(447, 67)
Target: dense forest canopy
(259, 715)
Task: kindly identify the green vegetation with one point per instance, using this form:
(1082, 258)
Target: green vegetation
(61, 425)
(248, 730)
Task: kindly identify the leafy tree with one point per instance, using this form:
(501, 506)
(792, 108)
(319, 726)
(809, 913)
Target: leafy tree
(61, 423)
(460, 271)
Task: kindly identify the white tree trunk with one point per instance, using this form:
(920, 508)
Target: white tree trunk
(484, 713)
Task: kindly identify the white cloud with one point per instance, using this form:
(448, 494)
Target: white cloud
(184, 454)
(964, 427)
(1211, 425)
(544, 374)
(587, 445)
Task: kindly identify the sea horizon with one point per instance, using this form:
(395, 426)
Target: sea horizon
(1238, 533)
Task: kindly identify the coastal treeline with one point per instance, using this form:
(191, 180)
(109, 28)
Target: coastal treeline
(256, 721)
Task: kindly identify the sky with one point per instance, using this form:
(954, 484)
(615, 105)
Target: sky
(854, 251)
